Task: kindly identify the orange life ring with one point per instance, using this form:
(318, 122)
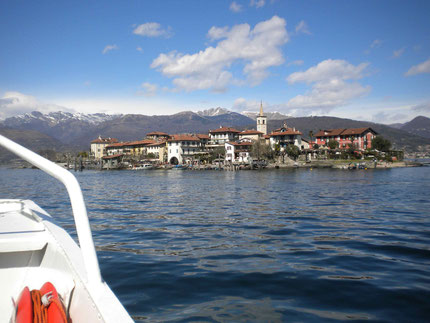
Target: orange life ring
(40, 306)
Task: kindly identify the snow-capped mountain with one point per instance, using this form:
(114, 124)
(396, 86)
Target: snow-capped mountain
(213, 112)
(55, 118)
(270, 115)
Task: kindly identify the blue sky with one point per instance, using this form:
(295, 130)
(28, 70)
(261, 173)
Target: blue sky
(367, 60)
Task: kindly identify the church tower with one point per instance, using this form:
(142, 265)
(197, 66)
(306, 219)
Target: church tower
(262, 121)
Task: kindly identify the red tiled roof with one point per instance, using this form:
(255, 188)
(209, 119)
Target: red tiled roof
(330, 132)
(288, 131)
(183, 138)
(143, 142)
(224, 129)
(112, 157)
(118, 144)
(251, 132)
(343, 132)
(356, 131)
(104, 140)
(157, 133)
(202, 136)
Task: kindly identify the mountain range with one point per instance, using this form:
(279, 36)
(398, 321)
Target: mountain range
(66, 131)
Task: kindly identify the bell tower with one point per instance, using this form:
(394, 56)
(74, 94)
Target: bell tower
(262, 121)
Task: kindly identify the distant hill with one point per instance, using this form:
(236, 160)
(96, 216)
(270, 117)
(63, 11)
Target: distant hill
(418, 126)
(31, 139)
(399, 137)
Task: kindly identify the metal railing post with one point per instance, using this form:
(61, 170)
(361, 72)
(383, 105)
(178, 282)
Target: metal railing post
(76, 199)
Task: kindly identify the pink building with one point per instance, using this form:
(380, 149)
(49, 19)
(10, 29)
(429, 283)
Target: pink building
(360, 137)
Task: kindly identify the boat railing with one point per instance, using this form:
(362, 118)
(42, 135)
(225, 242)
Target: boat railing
(76, 199)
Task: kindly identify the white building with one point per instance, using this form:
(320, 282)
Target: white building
(182, 148)
(252, 135)
(285, 136)
(98, 146)
(218, 137)
(237, 152)
(159, 150)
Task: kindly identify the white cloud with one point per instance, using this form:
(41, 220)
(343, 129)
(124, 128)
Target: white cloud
(398, 53)
(216, 33)
(16, 103)
(152, 29)
(424, 67)
(109, 48)
(235, 7)
(386, 117)
(330, 86)
(425, 107)
(257, 3)
(241, 104)
(258, 49)
(149, 89)
(303, 28)
(139, 49)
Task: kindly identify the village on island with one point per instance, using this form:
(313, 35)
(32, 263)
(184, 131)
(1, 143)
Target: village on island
(231, 149)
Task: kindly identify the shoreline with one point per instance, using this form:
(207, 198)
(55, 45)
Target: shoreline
(332, 164)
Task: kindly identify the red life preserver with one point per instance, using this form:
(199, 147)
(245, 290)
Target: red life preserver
(40, 306)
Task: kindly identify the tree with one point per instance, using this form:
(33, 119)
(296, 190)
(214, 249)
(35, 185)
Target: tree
(333, 144)
(217, 153)
(351, 149)
(381, 144)
(261, 150)
(311, 134)
(316, 146)
(292, 151)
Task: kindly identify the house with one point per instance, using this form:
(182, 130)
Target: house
(181, 149)
(116, 149)
(237, 152)
(157, 136)
(204, 139)
(218, 137)
(98, 146)
(158, 149)
(131, 148)
(138, 148)
(112, 162)
(253, 135)
(361, 138)
(285, 136)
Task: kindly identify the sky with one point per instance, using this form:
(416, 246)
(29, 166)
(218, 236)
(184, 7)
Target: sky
(365, 60)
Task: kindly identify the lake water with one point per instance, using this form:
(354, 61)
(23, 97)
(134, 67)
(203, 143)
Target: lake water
(254, 246)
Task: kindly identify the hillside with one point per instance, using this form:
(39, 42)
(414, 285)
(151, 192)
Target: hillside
(418, 126)
(30, 139)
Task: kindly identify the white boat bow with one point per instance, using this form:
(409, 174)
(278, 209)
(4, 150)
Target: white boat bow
(34, 250)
